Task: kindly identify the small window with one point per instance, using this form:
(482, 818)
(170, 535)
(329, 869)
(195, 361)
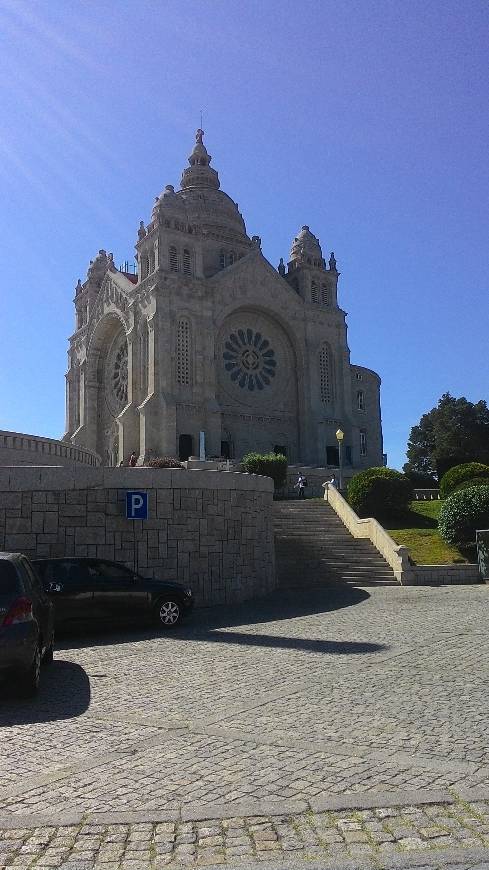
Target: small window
(363, 442)
(360, 400)
(324, 295)
(187, 262)
(183, 352)
(231, 258)
(151, 263)
(173, 259)
(359, 376)
(222, 259)
(324, 375)
(314, 292)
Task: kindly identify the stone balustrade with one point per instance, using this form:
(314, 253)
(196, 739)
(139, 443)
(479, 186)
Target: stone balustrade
(17, 448)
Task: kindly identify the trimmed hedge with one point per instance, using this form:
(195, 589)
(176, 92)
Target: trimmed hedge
(463, 474)
(462, 513)
(378, 492)
(268, 464)
(164, 462)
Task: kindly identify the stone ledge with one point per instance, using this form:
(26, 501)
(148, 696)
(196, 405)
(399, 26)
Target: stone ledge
(29, 478)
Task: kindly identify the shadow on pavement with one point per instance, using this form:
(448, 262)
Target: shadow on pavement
(215, 624)
(64, 693)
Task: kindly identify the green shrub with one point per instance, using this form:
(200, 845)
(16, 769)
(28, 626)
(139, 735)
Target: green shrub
(268, 464)
(380, 492)
(462, 513)
(164, 462)
(468, 471)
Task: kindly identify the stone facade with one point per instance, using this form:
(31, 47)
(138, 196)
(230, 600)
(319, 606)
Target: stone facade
(209, 529)
(210, 337)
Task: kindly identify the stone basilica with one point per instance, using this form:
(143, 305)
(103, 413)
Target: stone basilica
(209, 337)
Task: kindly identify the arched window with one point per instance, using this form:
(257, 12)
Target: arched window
(144, 268)
(183, 352)
(231, 258)
(187, 262)
(324, 295)
(143, 359)
(360, 400)
(76, 396)
(151, 263)
(222, 259)
(325, 380)
(314, 292)
(173, 259)
(363, 442)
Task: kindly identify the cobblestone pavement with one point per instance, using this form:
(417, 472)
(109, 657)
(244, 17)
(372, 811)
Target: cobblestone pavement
(348, 728)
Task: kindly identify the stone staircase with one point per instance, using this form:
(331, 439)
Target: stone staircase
(313, 547)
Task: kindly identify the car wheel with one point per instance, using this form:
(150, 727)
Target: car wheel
(48, 656)
(168, 612)
(28, 683)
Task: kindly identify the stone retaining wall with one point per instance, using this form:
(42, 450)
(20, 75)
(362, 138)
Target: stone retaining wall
(17, 448)
(208, 529)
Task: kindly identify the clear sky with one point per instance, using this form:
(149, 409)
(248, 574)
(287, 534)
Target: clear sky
(365, 119)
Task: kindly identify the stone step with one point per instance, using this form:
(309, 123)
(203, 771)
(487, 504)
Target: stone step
(314, 548)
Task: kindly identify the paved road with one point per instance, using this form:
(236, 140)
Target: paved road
(357, 703)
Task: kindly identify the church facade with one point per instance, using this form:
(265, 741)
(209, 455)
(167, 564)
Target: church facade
(209, 337)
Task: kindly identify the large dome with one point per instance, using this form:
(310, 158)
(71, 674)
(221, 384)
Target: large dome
(205, 207)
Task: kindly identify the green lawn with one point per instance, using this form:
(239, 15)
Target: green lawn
(418, 530)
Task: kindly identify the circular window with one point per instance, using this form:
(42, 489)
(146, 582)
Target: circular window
(249, 359)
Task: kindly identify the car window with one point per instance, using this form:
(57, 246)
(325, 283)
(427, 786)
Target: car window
(67, 573)
(9, 582)
(109, 571)
(33, 579)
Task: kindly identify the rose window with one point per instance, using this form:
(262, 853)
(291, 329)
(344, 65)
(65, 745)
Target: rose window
(249, 359)
(119, 374)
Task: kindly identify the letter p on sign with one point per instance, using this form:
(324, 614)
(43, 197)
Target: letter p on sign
(136, 505)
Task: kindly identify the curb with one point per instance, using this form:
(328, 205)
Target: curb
(202, 812)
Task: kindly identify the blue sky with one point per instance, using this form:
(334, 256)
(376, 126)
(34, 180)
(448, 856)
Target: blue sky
(366, 120)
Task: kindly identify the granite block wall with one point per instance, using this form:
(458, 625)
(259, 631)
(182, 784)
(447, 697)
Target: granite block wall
(208, 529)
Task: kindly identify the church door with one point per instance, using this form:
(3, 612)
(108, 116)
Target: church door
(332, 455)
(184, 447)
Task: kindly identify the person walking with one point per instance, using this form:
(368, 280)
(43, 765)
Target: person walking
(301, 485)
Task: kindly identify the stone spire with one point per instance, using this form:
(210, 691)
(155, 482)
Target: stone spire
(199, 173)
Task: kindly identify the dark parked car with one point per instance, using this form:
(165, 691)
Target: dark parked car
(26, 623)
(93, 590)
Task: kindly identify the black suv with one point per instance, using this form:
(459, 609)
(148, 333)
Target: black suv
(96, 590)
(26, 623)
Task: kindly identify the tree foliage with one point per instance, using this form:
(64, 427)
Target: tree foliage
(269, 464)
(455, 432)
(463, 476)
(380, 492)
(462, 514)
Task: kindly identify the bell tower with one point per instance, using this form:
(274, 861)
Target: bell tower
(307, 272)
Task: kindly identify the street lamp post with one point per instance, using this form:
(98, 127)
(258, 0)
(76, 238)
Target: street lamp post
(339, 437)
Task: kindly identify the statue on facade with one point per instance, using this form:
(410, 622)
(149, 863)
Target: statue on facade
(332, 262)
(281, 267)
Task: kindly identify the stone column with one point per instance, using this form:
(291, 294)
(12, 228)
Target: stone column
(128, 419)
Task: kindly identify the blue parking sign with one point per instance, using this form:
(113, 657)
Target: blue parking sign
(136, 505)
